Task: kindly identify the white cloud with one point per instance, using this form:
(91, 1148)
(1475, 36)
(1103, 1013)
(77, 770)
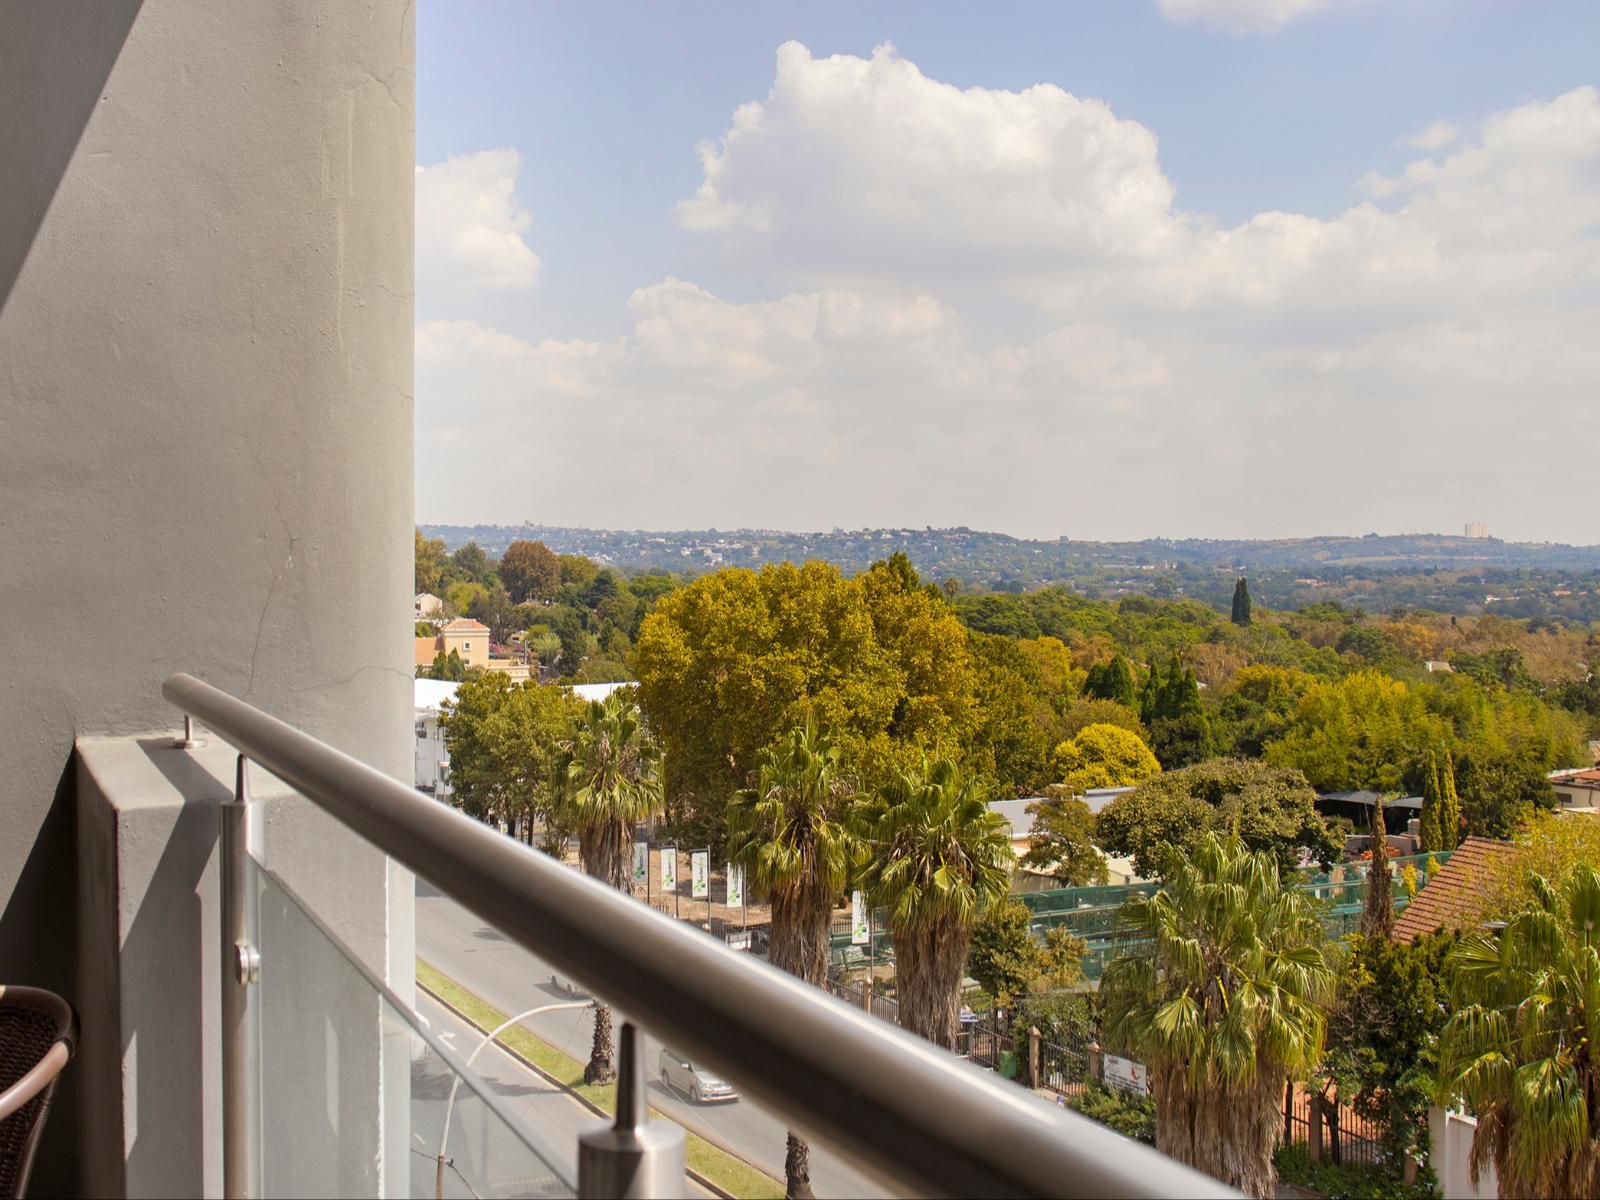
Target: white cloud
(470, 227)
(1244, 16)
(1434, 136)
(1424, 354)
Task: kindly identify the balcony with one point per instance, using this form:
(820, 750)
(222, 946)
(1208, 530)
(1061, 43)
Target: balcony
(331, 1082)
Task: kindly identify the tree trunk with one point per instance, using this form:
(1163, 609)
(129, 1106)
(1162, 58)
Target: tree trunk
(1229, 1131)
(797, 1170)
(601, 1068)
(928, 967)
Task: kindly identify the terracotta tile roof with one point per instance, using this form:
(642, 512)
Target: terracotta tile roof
(1450, 893)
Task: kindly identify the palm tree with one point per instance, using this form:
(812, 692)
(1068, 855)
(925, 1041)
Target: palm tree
(608, 783)
(1520, 1047)
(1221, 995)
(790, 835)
(937, 855)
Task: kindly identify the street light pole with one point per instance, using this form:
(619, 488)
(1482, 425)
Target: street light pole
(449, 1109)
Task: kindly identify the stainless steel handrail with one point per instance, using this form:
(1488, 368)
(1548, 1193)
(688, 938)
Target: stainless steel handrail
(899, 1108)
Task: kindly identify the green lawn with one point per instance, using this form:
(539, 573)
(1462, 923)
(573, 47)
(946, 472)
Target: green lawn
(729, 1173)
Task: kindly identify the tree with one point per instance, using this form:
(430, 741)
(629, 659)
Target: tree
(1383, 1035)
(471, 563)
(937, 854)
(1377, 909)
(449, 667)
(530, 570)
(1430, 825)
(577, 571)
(609, 783)
(503, 739)
(1519, 1046)
(1270, 808)
(1010, 962)
(1104, 756)
(1450, 805)
(1062, 840)
(737, 659)
(1222, 998)
(430, 557)
(791, 835)
(1363, 731)
(1241, 603)
(1112, 680)
(1180, 732)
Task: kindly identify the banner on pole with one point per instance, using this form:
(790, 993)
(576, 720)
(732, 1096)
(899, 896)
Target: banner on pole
(700, 874)
(860, 932)
(641, 861)
(669, 869)
(735, 885)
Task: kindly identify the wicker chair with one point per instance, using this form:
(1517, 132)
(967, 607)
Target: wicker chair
(38, 1034)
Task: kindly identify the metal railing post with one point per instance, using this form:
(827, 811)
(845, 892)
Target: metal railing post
(634, 1159)
(241, 1002)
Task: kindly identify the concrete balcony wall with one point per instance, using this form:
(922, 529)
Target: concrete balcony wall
(205, 392)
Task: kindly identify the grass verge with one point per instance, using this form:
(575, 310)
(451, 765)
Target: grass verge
(731, 1174)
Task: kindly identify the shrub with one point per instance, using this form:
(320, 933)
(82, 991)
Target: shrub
(1131, 1116)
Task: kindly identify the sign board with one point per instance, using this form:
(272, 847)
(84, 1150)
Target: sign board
(700, 874)
(669, 869)
(739, 939)
(735, 885)
(641, 861)
(860, 930)
(1126, 1075)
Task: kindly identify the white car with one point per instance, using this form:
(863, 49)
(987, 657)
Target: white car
(678, 1074)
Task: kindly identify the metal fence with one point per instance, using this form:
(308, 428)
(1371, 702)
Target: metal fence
(1332, 1129)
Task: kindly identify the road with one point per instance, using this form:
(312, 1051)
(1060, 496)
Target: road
(488, 964)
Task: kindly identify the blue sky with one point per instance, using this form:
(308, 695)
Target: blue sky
(682, 345)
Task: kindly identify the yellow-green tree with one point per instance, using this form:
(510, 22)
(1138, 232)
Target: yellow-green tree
(1104, 756)
(737, 659)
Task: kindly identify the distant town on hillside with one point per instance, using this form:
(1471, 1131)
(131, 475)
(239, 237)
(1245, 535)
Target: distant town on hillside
(1455, 574)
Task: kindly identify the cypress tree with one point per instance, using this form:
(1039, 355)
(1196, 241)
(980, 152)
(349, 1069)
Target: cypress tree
(1241, 602)
(1450, 806)
(1150, 699)
(1432, 800)
(1377, 911)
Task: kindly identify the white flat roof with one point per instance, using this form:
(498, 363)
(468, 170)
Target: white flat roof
(431, 693)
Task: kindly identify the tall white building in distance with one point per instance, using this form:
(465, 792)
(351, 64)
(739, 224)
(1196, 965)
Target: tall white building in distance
(1477, 529)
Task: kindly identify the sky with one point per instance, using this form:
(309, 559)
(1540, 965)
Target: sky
(1109, 270)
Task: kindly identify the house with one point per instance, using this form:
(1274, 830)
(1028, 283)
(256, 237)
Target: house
(427, 605)
(1577, 789)
(1400, 818)
(432, 757)
(1434, 665)
(468, 638)
(1453, 891)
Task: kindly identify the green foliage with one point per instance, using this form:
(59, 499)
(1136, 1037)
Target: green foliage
(1344, 1181)
(1222, 997)
(1270, 808)
(1112, 680)
(1130, 1115)
(1383, 1034)
(1104, 756)
(1503, 667)
(1069, 1020)
(449, 668)
(530, 570)
(1008, 961)
(503, 739)
(429, 563)
(1364, 731)
(937, 855)
(1431, 824)
(470, 563)
(1170, 706)
(1520, 1044)
(607, 782)
(1241, 603)
(1062, 840)
(737, 659)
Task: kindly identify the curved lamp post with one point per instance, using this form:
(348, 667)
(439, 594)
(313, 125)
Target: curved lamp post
(444, 1138)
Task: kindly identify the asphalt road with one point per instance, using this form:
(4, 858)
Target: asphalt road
(490, 965)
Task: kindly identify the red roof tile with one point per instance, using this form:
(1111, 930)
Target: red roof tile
(1452, 892)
